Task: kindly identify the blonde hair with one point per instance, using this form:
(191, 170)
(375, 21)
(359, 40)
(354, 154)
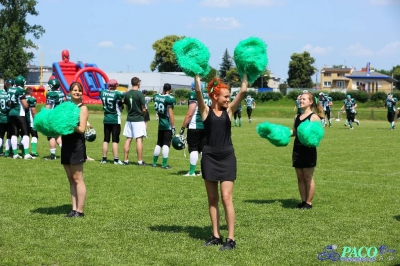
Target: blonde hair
(316, 106)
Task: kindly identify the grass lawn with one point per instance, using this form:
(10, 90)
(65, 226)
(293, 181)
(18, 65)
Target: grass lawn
(149, 216)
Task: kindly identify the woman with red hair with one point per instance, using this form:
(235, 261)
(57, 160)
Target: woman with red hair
(218, 164)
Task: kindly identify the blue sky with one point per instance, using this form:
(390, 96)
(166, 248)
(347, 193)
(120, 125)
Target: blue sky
(117, 35)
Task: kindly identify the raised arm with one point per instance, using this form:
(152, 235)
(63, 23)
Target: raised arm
(203, 108)
(239, 97)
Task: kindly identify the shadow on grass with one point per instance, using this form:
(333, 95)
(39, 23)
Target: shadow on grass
(397, 217)
(195, 232)
(286, 203)
(63, 209)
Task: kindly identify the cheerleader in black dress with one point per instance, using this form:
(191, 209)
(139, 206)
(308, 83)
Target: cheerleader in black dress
(305, 158)
(218, 163)
(73, 154)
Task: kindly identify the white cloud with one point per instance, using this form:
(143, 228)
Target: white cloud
(384, 2)
(390, 49)
(357, 50)
(219, 23)
(128, 47)
(230, 3)
(105, 44)
(317, 50)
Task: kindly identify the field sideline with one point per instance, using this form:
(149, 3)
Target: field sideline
(150, 216)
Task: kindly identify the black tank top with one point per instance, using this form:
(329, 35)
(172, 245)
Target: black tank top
(218, 129)
(297, 123)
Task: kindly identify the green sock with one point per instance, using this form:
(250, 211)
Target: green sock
(155, 158)
(34, 147)
(164, 161)
(26, 151)
(6, 154)
(192, 169)
(15, 151)
(240, 121)
(234, 121)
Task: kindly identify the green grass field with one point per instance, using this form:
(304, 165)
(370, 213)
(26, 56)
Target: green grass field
(150, 216)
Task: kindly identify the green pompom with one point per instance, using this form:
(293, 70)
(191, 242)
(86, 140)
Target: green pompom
(59, 121)
(192, 56)
(310, 133)
(278, 135)
(251, 58)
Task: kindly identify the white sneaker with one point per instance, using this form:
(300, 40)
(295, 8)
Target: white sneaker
(188, 174)
(28, 157)
(17, 156)
(118, 163)
(199, 174)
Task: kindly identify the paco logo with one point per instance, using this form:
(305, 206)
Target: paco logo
(355, 254)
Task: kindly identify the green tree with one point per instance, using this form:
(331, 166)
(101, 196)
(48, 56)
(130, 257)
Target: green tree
(233, 77)
(210, 75)
(164, 59)
(396, 75)
(300, 70)
(283, 87)
(227, 63)
(262, 81)
(15, 47)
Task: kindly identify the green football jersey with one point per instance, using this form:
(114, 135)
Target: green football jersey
(54, 98)
(196, 122)
(134, 100)
(15, 95)
(161, 104)
(4, 109)
(349, 104)
(249, 102)
(68, 98)
(111, 100)
(391, 104)
(240, 104)
(31, 104)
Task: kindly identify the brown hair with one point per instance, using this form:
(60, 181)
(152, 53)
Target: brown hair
(215, 86)
(76, 83)
(316, 105)
(135, 81)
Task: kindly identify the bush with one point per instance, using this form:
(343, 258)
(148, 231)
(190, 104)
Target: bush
(397, 95)
(359, 96)
(337, 96)
(267, 96)
(379, 96)
(253, 94)
(181, 93)
(293, 95)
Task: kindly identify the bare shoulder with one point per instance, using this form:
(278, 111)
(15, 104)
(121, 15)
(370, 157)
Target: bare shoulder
(315, 117)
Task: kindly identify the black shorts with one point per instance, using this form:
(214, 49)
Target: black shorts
(18, 124)
(164, 138)
(304, 157)
(196, 139)
(238, 114)
(33, 132)
(390, 116)
(4, 127)
(147, 116)
(114, 130)
(350, 116)
(218, 163)
(73, 150)
(249, 111)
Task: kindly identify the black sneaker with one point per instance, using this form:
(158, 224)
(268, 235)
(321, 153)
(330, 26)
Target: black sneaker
(142, 164)
(228, 245)
(125, 162)
(71, 214)
(300, 205)
(213, 241)
(79, 214)
(165, 167)
(306, 206)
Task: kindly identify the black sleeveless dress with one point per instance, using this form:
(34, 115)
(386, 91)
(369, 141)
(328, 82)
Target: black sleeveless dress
(218, 162)
(303, 156)
(73, 149)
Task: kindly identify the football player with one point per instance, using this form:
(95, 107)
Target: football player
(350, 106)
(195, 134)
(54, 97)
(18, 105)
(30, 115)
(328, 107)
(237, 114)
(164, 106)
(390, 104)
(112, 107)
(148, 100)
(4, 125)
(251, 104)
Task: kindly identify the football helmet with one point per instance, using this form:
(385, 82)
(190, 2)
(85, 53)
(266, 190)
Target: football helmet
(179, 142)
(20, 81)
(90, 134)
(54, 84)
(10, 81)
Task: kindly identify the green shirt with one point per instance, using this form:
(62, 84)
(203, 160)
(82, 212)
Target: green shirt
(162, 103)
(15, 95)
(54, 98)
(4, 109)
(112, 100)
(31, 104)
(391, 104)
(196, 122)
(249, 102)
(134, 100)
